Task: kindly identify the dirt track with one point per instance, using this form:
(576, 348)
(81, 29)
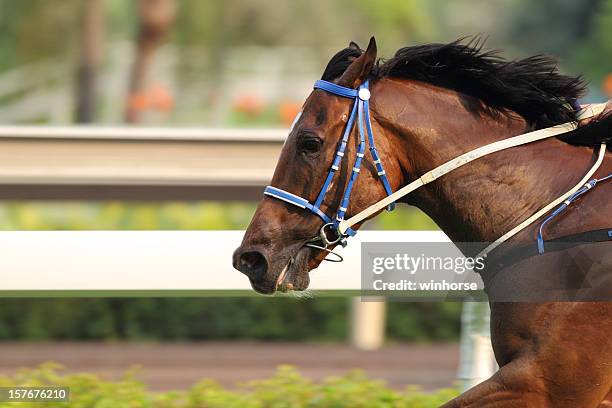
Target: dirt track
(179, 365)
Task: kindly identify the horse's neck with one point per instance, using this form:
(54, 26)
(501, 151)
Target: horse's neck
(483, 199)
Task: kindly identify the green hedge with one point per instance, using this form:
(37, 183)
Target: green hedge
(286, 389)
(249, 318)
(118, 215)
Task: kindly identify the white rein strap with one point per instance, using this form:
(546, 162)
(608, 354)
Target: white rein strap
(544, 210)
(432, 175)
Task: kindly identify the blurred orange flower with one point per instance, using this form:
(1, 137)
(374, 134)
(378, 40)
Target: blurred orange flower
(249, 104)
(156, 97)
(287, 111)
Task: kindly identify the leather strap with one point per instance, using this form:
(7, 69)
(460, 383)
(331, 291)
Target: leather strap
(496, 263)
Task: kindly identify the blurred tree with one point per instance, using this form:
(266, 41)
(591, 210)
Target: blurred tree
(37, 29)
(155, 20)
(551, 26)
(92, 39)
(323, 25)
(594, 54)
(396, 23)
(34, 29)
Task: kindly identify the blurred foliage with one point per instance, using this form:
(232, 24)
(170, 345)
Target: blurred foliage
(206, 31)
(403, 218)
(430, 321)
(552, 26)
(240, 22)
(595, 52)
(286, 388)
(34, 29)
(262, 119)
(58, 215)
(124, 216)
(248, 318)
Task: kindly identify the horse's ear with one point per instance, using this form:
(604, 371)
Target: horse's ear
(354, 46)
(359, 69)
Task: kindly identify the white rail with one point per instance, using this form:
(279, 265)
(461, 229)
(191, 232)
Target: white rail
(74, 162)
(155, 260)
(277, 135)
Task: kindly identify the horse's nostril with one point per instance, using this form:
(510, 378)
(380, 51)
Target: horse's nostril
(253, 264)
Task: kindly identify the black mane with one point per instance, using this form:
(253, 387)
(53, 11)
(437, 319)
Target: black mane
(531, 87)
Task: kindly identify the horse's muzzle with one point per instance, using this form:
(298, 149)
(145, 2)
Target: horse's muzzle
(251, 262)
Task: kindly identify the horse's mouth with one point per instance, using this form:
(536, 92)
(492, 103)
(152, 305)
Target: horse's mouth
(280, 281)
(293, 277)
(295, 274)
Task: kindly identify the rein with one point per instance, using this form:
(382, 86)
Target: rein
(336, 230)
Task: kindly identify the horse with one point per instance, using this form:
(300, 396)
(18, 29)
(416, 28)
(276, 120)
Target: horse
(427, 105)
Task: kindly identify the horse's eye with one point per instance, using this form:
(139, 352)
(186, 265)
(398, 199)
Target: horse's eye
(310, 145)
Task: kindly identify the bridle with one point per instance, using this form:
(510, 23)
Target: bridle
(329, 233)
(336, 230)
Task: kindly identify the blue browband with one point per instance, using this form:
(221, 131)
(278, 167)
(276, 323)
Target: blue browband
(361, 110)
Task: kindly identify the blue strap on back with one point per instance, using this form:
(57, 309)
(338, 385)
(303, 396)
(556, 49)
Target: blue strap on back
(587, 187)
(360, 111)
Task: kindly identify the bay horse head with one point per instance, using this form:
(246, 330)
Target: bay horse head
(424, 106)
(284, 242)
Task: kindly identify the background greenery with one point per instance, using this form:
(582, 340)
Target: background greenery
(248, 318)
(287, 388)
(37, 28)
(162, 216)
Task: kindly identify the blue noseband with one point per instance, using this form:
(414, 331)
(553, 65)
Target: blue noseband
(361, 111)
